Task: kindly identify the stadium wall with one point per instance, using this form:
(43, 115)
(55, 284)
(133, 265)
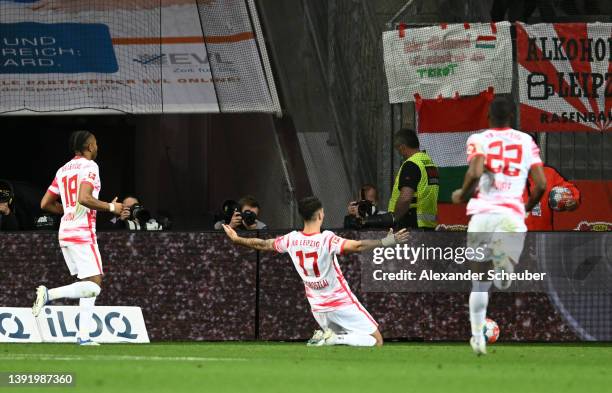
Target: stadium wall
(198, 286)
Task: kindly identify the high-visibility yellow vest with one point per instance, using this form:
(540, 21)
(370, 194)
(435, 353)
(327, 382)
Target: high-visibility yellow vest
(426, 194)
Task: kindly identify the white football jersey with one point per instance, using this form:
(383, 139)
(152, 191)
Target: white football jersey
(509, 156)
(78, 224)
(314, 258)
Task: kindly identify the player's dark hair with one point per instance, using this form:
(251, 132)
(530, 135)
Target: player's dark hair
(248, 200)
(78, 141)
(307, 207)
(501, 111)
(407, 136)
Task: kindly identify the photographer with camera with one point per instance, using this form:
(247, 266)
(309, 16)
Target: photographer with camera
(365, 211)
(19, 205)
(135, 217)
(241, 215)
(8, 219)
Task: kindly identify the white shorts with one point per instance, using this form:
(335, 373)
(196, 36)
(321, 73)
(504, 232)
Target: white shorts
(497, 233)
(83, 260)
(350, 319)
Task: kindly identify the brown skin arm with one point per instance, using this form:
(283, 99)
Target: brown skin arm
(87, 199)
(252, 242)
(403, 202)
(51, 203)
(539, 186)
(470, 181)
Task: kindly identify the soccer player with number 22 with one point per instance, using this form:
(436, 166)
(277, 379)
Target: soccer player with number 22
(78, 185)
(342, 318)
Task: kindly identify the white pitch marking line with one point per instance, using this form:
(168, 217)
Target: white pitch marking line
(117, 358)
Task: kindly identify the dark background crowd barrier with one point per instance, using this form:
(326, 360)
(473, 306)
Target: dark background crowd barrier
(199, 286)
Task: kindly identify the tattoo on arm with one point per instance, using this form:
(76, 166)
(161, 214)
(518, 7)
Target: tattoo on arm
(257, 244)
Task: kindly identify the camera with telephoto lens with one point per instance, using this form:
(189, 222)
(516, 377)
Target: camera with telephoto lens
(366, 208)
(386, 220)
(138, 212)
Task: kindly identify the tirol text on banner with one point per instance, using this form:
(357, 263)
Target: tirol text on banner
(565, 76)
(448, 59)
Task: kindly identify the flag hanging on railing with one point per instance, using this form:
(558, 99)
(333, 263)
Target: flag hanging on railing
(444, 59)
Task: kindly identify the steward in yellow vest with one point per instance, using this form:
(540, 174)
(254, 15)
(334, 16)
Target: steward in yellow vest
(414, 198)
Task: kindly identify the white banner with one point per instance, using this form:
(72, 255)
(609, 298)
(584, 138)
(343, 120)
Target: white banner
(17, 325)
(446, 60)
(131, 56)
(59, 324)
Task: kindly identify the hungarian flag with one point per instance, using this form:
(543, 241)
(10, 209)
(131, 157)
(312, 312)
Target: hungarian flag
(444, 126)
(486, 41)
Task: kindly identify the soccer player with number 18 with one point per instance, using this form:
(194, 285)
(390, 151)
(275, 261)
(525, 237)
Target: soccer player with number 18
(78, 185)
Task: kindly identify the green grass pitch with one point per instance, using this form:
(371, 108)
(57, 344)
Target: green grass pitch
(293, 367)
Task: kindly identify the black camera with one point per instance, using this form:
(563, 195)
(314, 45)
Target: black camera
(386, 220)
(229, 208)
(6, 196)
(366, 208)
(6, 192)
(249, 217)
(138, 212)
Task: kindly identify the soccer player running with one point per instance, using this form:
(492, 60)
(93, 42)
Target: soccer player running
(500, 159)
(78, 185)
(342, 318)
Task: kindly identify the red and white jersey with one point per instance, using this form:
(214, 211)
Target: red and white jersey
(78, 224)
(509, 156)
(314, 258)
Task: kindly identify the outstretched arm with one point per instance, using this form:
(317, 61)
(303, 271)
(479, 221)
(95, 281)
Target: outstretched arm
(251, 242)
(368, 244)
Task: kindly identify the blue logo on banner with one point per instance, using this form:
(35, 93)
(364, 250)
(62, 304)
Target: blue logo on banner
(20, 333)
(39, 48)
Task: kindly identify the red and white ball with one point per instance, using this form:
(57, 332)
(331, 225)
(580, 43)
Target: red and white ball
(490, 331)
(559, 197)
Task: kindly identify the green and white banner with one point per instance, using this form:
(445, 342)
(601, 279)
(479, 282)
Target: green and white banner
(444, 60)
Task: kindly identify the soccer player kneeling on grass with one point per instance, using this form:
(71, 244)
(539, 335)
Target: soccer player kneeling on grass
(342, 318)
(74, 193)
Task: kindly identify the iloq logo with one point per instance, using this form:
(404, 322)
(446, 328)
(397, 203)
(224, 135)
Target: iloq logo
(110, 324)
(60, 324)
(113, 323)
(12, 327)
(18, 325)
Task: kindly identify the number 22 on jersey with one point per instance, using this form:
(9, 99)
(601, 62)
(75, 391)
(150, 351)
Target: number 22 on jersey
(506, 159)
